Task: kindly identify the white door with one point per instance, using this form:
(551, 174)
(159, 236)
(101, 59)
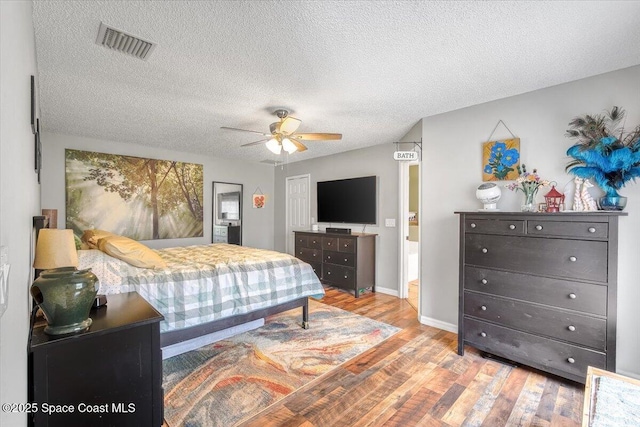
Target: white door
(297, 205)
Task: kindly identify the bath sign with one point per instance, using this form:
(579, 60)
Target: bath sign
(405, 155)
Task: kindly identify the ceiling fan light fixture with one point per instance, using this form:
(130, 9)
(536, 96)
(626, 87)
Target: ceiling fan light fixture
(289, 146)
(274, 146)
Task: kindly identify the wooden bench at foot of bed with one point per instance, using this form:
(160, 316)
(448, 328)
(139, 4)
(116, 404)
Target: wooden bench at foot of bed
(173, 337)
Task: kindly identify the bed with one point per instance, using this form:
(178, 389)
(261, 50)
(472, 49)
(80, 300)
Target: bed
(207, 288)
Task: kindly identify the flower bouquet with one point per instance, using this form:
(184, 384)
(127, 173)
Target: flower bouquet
(605, 154)
(528, 183)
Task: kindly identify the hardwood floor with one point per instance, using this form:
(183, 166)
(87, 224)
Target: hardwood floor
(416, 378)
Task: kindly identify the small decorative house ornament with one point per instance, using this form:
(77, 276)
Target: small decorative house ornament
(554, 199)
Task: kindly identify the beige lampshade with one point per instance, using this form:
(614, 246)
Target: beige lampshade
(54, 249)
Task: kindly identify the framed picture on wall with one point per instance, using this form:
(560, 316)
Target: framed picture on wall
(500, 160)
(33, 105)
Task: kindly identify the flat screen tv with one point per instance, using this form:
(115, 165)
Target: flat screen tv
(351, 201)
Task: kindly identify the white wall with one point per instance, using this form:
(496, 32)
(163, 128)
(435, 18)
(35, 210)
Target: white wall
(451, 171)
(257, 228)
(20, 196)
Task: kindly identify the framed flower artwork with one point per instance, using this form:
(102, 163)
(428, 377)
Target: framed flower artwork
(258, 201)
(500, 160)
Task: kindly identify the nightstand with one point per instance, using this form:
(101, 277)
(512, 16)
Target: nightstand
(110, 375)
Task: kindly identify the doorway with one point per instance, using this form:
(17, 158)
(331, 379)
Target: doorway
(410, 233)
(297, 207)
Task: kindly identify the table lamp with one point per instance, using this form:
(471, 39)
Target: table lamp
(64, 293)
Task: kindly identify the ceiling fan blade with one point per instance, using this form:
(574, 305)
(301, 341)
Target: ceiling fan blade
(245, 130)
(262, 141)
(318, 136)
(299, 145)
(289, 125)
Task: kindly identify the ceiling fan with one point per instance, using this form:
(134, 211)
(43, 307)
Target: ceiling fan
(283, 135)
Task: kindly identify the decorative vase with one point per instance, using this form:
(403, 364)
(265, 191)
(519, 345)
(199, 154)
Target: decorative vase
(529, 204)
(613, 202)
(65, 295)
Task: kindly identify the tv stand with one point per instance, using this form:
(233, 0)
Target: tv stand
(346, 261)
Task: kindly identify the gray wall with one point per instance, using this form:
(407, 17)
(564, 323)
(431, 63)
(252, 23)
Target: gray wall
(20, 197)
(257, 223)
(451, 171)
(377, 161)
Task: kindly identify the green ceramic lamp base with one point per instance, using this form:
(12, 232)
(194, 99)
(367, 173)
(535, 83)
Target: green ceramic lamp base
(68, 329)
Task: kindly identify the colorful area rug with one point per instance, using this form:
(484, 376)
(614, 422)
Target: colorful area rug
(224, 383)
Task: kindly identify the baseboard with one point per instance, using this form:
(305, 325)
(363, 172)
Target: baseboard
(387, 291)
(628, 374)
(429, 321)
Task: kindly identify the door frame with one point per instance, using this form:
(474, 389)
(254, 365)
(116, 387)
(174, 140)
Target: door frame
(403, 230)
(286, 207)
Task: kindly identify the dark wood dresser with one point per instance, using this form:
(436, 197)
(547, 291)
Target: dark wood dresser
(346, 261)
(110, 375)
(540, 289)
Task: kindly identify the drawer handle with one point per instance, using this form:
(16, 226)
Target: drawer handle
(573, 259)
(314, 241)
(485, 250)
(345, 260)
(329, 257)
(300, 253)
(483, 308)
(346, 245)
(571, 328)
(512, 227)
(484, 281)
(483, 334)
(472, 225)
(329, 244)
(314, 254)
(328, 272)
(345, 276)
(538, 227)
(571, 360)
(572, 296)
(592, 230)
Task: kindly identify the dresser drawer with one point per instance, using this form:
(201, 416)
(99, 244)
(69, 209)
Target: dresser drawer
(495, 226)
(314, 242)
(347, 244)
(341, 258)
(553, 323)
(549, 355)
(317, 268)
(343, 276)
(330, 243)
(585, 297)
(308, 254)
(301, 241)
(574, 259)
(587, 230)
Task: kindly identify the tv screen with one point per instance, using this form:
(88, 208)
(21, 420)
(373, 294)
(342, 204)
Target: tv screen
(351, 201)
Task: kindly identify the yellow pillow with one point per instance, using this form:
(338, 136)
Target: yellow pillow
(130, 251)
(91, 237)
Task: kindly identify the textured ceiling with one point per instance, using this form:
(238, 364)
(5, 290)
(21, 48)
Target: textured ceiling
(367, 69)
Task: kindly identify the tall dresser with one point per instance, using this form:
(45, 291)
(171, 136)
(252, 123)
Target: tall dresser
(540, 288)
(345, 261)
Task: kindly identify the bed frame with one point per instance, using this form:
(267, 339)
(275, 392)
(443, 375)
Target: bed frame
(173, 337)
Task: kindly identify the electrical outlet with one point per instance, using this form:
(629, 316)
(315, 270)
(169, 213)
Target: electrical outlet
(390, 222)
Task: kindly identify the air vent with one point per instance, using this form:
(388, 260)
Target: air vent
(119, 40)
(271, 162)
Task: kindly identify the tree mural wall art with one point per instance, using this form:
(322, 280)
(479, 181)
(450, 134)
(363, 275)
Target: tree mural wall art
(136, 197)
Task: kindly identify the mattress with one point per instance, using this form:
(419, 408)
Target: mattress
(204, 283)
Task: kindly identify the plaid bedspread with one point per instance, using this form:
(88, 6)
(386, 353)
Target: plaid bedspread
(207, 282)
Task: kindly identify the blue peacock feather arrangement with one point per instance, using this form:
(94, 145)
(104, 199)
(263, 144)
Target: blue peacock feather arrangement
(604, 153)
